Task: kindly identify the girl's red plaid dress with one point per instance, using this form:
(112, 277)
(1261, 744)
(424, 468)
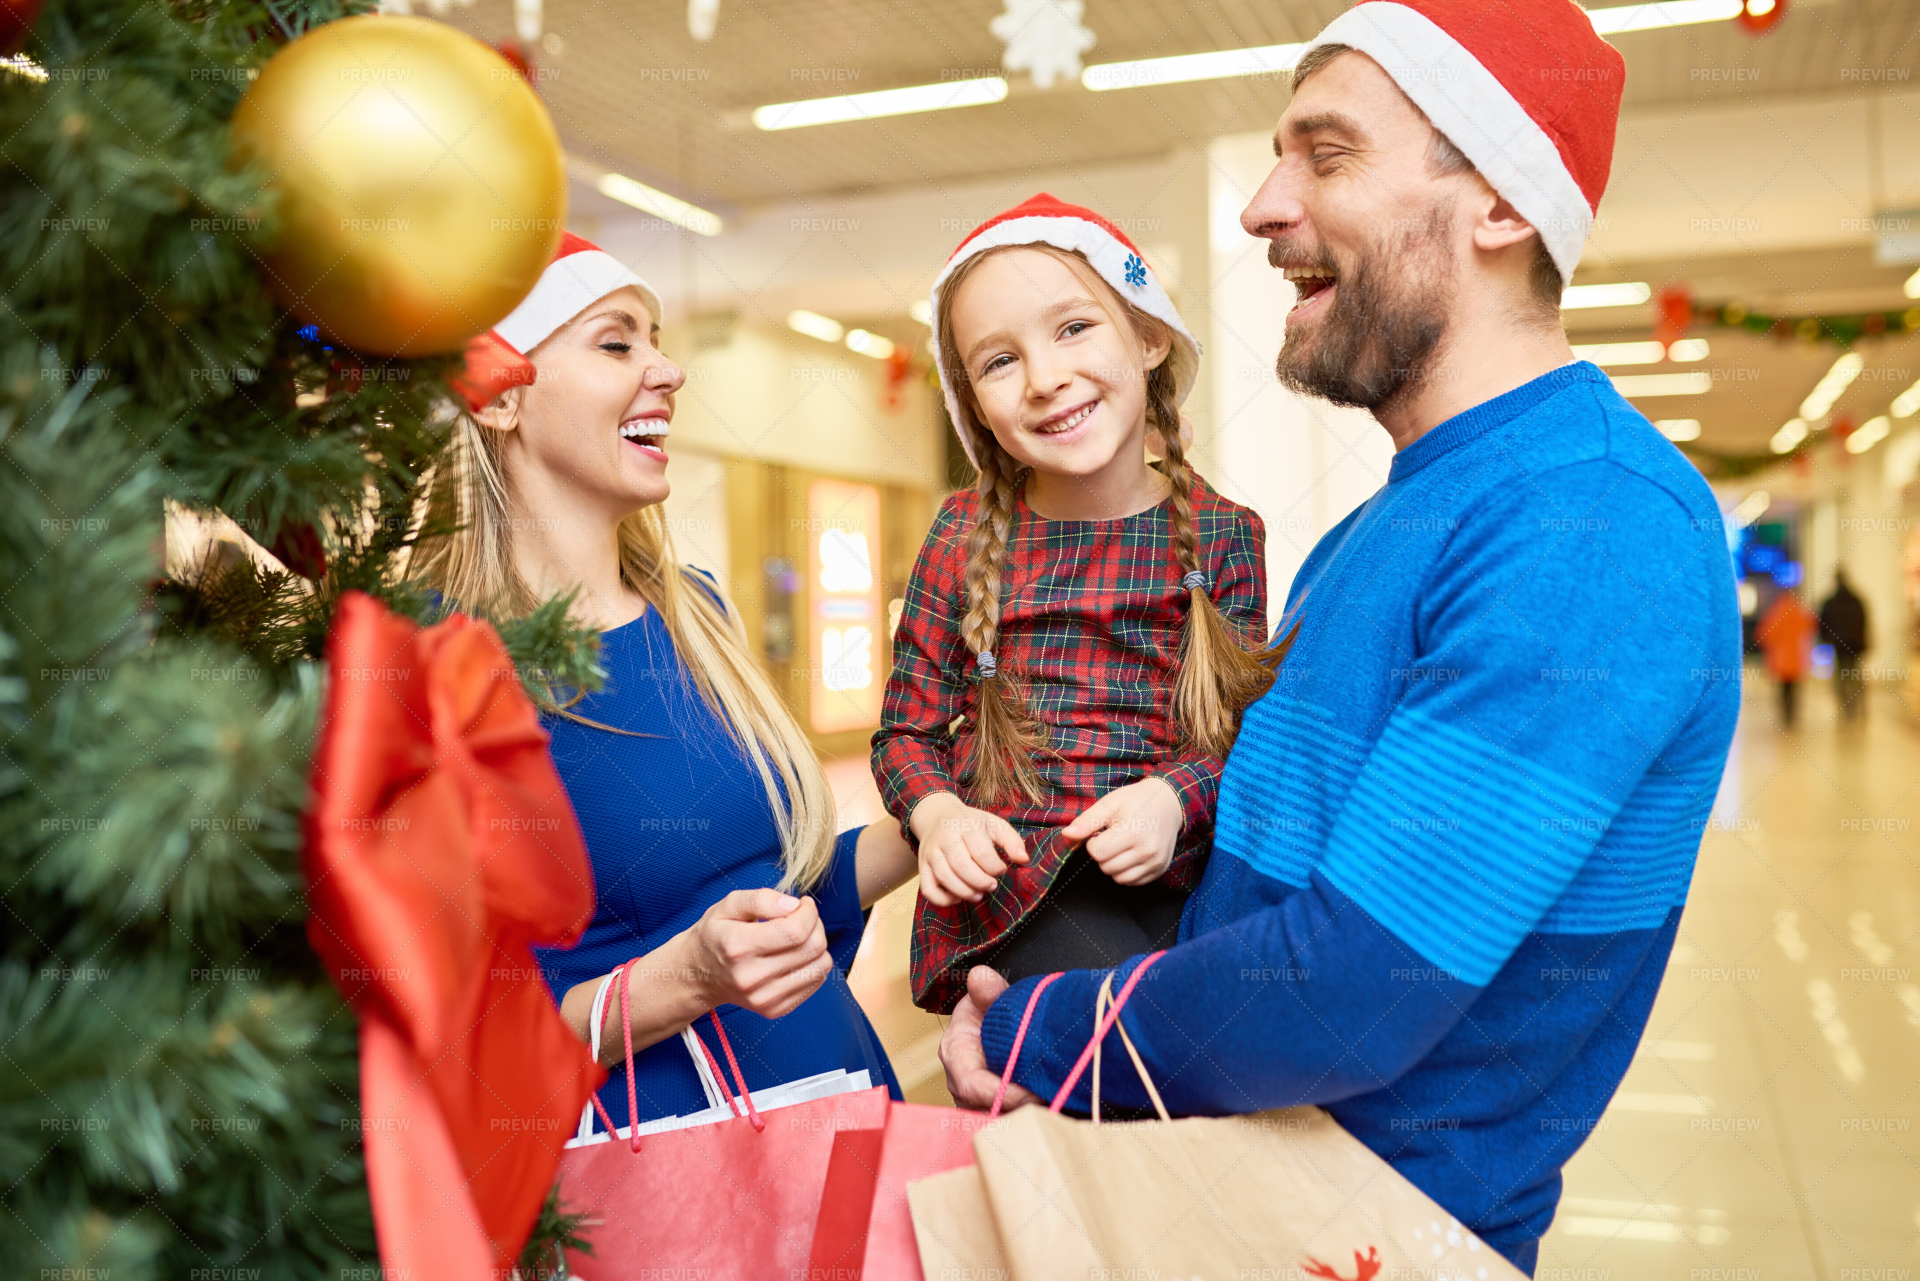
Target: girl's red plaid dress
(1091, 619)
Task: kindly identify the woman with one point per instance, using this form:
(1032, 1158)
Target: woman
(701, 801)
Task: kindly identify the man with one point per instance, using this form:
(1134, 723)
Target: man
(1453, 844)
(1843, 625)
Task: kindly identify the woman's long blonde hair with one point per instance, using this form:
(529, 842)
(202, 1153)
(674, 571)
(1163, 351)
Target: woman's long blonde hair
(473, 565)
(1221, 672)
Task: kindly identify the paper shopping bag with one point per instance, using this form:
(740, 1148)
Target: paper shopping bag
(731, 1200)
(865, 1228)
(954, 1229)
(1276, 1193)
(718, 1201)
(1229, 1196)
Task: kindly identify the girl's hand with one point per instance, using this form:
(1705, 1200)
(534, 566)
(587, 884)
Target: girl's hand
(1130, 832)
(961, 849)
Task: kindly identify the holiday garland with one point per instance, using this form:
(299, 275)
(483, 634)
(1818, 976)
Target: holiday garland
(1844, 329)
(1723, 466)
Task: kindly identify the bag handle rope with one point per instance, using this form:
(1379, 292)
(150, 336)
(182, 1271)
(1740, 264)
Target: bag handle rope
(1019, 1039)
(621, 982)
(1099, 1012)
(1103, 1025)
(1105, 1019)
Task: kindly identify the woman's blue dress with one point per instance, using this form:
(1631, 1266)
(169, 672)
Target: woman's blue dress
(673, 823)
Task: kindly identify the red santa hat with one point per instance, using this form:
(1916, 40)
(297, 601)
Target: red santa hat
(580, 275)
(1043, 220)
(1527, 91)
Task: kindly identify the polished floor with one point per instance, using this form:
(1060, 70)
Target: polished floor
(879, 976)
(1766, 1131)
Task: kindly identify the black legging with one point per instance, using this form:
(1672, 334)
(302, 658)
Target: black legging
(1088, 921)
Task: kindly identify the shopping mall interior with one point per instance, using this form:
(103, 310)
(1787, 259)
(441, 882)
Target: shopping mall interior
(1752, 285)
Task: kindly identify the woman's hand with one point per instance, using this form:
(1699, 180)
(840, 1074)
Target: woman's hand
(961, 849)
(883, 861)
(1131, 831)
(758, 949)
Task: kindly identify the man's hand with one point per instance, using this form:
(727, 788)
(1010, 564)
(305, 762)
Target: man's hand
(961, 849)
(1131, 831)
(971, 1082)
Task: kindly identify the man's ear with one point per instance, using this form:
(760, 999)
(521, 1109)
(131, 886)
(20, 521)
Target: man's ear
(1500, 224)
(503, 414)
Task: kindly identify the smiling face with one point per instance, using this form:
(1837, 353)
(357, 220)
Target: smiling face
(1364, 224)
(1054, 369)
(593, 426)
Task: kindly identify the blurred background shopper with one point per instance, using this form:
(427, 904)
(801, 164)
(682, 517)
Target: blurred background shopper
(1843, 625)
(1785, 633)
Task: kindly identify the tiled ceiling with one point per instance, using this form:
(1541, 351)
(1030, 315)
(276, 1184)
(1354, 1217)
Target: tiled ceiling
(631, 89)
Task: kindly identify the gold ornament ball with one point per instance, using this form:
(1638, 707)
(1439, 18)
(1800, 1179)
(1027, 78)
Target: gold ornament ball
(421, 186)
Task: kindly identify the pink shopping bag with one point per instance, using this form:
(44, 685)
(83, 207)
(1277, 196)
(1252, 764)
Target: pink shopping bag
(736, 1200)
(865, 1228)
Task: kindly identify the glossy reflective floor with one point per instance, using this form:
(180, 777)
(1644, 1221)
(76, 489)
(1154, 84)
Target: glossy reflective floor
(1766, 1131)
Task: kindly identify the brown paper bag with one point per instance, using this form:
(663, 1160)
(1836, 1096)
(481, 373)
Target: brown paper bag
(1276, 1194)
(953, 1226)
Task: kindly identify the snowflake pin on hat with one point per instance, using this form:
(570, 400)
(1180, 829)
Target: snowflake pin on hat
(1043, 220)
(1527, 91)
(580, 274)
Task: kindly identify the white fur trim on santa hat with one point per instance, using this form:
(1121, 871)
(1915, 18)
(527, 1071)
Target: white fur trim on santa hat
(566, 288)
(1474, 110)
(1109, 256)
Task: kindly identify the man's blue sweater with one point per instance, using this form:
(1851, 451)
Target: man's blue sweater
(1453, 843)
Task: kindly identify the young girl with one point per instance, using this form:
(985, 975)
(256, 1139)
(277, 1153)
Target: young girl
(1073, 656)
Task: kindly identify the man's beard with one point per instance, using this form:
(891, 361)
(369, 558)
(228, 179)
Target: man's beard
(1383, 329)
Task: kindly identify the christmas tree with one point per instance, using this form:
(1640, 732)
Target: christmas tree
(178, 1080)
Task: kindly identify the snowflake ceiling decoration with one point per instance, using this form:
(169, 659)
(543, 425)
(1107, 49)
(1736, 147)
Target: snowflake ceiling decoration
(1044, 38)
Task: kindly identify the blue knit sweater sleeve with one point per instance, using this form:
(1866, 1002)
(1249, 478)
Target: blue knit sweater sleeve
(838, 896)
(1557, 656)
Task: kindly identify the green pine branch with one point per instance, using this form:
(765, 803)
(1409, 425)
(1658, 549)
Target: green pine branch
(178, 1079)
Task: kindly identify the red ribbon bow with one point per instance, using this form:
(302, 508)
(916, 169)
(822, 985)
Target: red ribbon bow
(439, 846)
